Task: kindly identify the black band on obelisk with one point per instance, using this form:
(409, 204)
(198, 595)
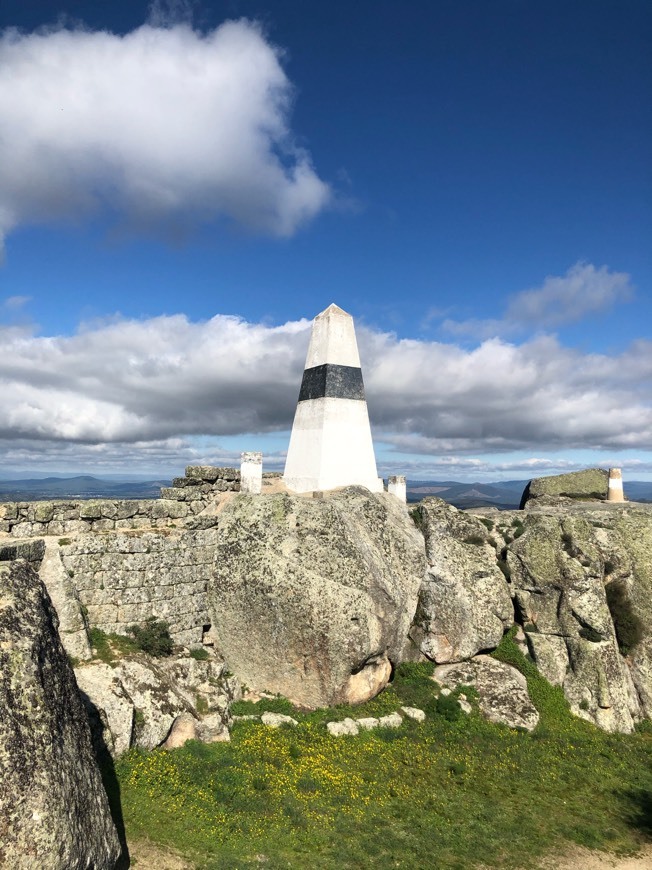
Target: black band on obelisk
(333, 382)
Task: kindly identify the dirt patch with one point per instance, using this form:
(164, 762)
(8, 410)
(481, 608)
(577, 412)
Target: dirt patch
(148, 856)
(578, 858)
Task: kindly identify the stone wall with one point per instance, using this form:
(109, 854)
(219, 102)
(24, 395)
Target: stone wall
(123, 578)
(187, 497)
(114, 563)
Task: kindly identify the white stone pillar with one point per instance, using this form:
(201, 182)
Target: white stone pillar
(397, 486)
(331, 444)
(251, 473)
(615, 490)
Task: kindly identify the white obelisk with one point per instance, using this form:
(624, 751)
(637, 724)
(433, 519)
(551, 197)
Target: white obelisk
(615, 490)
(331, 442)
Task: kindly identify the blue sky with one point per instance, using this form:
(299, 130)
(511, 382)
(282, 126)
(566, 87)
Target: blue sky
(471, 180)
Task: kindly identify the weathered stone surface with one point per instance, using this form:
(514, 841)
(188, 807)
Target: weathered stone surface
(123, 578)
(111, 710)
(464, 603)
(137, 701)
(502, 690)
(346, 728)
(392, 720)
(591, 483)
(30, 550)
(367, 723)
(53, 809)
(184, 728)
(414, 713)
(557, 574)
(72, 627)
(309, 593)
(275, 720)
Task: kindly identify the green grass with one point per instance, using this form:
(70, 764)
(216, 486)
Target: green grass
(110, 647)
(449, 793)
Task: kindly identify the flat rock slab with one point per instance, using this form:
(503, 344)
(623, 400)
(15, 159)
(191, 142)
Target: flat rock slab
(275, 720)
(502, 690)
(345, 728)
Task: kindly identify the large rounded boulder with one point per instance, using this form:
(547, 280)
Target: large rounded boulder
(312, 598)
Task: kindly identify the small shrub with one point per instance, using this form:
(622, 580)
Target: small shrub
(153, 637)
(448, 707)
(307, 784)
(199, 654)
(417, 517)
(487, 523)
(584, 704)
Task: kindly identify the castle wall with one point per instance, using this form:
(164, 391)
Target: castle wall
(114, 563)
(123, 578)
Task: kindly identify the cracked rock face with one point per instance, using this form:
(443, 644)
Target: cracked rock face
(464, 603)
(502, 690)
(558, 579)
(313, 598)
(53, 808)
(139, 702)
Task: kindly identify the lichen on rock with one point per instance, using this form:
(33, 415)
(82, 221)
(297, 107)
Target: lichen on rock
(464, 602)
(313, 598)
(54, 811)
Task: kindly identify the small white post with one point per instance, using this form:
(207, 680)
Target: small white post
(615, 491)
(251, 473)
(397, 486)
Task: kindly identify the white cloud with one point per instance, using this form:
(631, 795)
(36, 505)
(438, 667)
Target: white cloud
(165, 126)
(584, 290)
(13, 303)
(128, 382)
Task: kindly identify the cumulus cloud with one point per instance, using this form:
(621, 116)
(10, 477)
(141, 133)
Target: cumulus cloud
(166, 127)
(129, 382)
(584, 290)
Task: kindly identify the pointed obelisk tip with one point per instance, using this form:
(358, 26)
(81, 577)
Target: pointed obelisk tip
(333, 309)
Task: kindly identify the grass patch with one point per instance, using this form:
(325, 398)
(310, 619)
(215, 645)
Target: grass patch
(473, 791)
(199, 654)
(110, 647)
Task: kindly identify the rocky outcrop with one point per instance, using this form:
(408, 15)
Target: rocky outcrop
(139, 702)
(591, 483)
(558, 578)
(464, 602)
(53, 809)
(72, 625)
(502, 690)
(313, 598)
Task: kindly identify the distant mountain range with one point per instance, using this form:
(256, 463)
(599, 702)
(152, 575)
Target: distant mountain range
(79, 487)
(504, 494)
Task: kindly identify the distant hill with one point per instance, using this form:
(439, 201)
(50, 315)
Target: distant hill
(503, 494)
(79, 487)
